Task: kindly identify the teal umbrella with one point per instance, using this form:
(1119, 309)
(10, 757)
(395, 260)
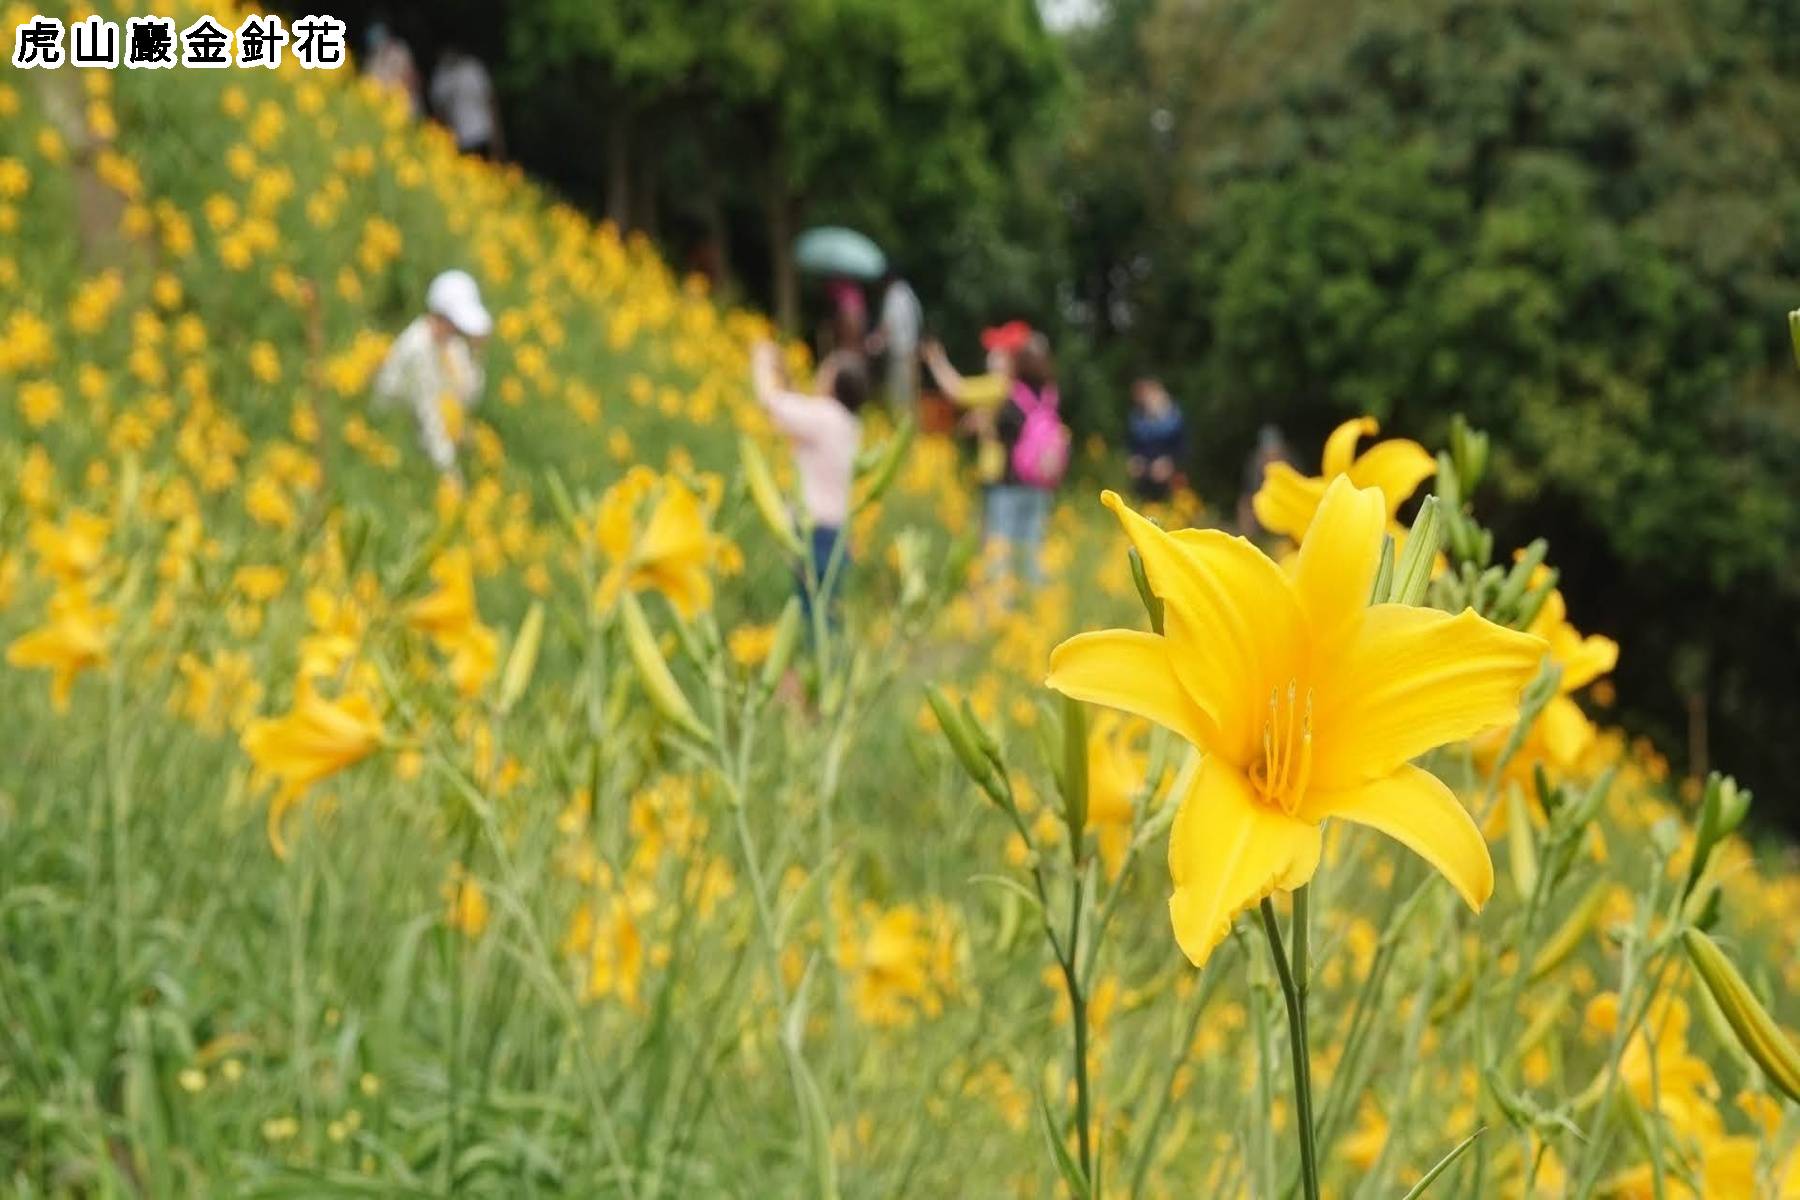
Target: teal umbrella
(835, 250)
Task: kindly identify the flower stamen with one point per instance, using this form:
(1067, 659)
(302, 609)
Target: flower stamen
(1286, 766)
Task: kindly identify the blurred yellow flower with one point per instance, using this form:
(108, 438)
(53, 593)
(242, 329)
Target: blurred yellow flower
(449, 617)
(71, 552)
(671, 552)
(72, 640)
(1115, 775)
(1287, 500)
(313, 741)
(1309, 704)
(466, 908)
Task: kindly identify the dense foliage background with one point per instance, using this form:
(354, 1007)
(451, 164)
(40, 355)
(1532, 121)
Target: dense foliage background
(1576, 223)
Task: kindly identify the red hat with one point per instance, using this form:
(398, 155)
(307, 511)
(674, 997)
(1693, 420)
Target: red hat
(1009, 337)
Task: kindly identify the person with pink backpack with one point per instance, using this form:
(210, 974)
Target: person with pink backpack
(1024, 443)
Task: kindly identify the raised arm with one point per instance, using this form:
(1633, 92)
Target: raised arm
(949, 379)
(794, 415)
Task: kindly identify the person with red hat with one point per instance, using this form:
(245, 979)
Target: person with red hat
(1019, 381)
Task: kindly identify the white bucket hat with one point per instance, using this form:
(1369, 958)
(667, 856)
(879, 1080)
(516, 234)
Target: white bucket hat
(454, 296)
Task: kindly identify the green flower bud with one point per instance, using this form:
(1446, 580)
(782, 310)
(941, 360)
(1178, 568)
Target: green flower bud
(964, 744)
(887, 467)
(1756, 1030)
(781, 650)
(653, 670)
(1412, 574)
(522, 660)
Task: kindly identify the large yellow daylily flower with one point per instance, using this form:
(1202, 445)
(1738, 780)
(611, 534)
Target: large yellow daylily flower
(1308, 703)
(314, 741)
(1287, 500)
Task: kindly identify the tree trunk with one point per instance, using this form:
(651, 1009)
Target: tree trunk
(644, 193)
(618, 165)
(781, 206)
(718, 232)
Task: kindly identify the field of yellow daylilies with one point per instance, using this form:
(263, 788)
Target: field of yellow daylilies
(360, 834)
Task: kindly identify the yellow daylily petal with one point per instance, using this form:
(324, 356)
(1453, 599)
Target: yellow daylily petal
(1227, 852)
(1231, 618)
(1413, 679)
(1339, 557)
(1286, 501)
(1130, 671)
(1340, 447)
(1584, 660)
(1566, 731)
(1413, 807)
(1396, 466)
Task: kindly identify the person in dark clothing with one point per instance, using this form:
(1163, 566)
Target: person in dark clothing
(1156, 438)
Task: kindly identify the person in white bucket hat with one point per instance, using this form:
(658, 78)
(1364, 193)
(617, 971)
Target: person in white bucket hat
(434, 367)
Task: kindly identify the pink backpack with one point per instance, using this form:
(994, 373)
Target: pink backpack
(1041, 455)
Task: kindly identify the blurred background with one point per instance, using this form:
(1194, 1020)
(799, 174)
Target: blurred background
(1577, 223)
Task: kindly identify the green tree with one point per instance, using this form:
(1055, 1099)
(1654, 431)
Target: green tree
(1577, 223)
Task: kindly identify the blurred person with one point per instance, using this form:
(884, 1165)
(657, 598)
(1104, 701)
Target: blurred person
(390, 64)
(849, 315)
(1014, 408)
(896, 338)
(824, 430)
(1271, 447)
(1156, 439)
(462, 95)
(434, 367)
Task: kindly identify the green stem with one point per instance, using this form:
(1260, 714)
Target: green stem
(1078, 1012)
(1296, 1014)
(455, 963)
(1302, 929)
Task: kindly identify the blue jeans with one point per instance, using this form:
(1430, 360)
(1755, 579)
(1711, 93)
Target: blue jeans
(1016, 515)
(824, 542)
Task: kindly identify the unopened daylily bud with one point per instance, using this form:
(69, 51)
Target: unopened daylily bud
(1794, 333)
(1734, 805)
(958, 559)
(766, 496)
(1448, 485)
(1463, 537)
(1512, 592)
(1722, 809)
(522, 660)
(1765, 1041)
(1534, 600)
(653, 670)
(1153, 605)
(563, 503)
(1412, 574)
(1521, 846)
(781, 649)
(1567, 937)
(1469, 450)
(1383, 587)
(964, 744)
(882, 475)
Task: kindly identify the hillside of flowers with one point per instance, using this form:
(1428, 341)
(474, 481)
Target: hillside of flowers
(364, 835)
